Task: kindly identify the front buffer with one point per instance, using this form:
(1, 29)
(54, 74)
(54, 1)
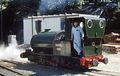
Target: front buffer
(92, 61)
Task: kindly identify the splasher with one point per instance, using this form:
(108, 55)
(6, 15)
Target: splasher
(11, 52)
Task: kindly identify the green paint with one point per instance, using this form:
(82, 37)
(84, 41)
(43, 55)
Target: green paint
(90, 50)
(95, 31)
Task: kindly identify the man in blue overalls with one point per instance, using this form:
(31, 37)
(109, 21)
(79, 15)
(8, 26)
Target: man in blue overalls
(77, 35)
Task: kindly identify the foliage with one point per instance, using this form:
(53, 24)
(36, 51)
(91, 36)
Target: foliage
(24, 8)
(4, 3)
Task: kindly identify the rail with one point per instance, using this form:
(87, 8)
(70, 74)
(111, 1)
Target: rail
(5, 71)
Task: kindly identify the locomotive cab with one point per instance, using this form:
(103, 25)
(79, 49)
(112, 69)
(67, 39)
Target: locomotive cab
(93, 33)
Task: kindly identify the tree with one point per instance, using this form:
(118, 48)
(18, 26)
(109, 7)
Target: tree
(4, 4)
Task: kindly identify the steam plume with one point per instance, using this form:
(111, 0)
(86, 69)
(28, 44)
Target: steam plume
(11, 52)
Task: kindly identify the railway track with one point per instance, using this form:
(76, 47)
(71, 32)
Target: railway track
(102, 73)
(5, 71)
(41, 70)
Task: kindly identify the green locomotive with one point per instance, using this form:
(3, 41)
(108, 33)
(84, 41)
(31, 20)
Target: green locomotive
(55, 48)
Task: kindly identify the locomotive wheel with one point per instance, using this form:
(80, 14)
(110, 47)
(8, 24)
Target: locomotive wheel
(105, 61)
(95, 63)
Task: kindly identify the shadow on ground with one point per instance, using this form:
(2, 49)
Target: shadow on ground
(41, 70)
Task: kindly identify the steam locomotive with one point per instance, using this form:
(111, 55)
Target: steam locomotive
(55, 47)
